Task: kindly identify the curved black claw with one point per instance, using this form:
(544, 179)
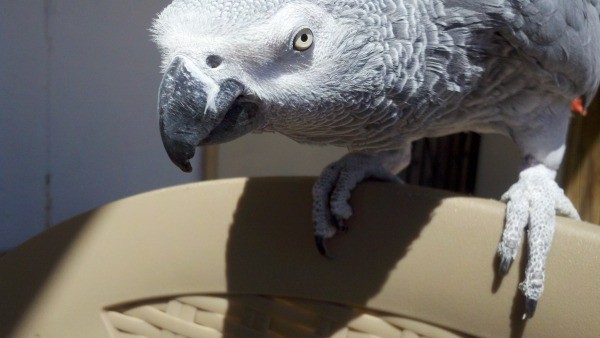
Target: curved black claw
(530, 306)
(504, 266)
(322, 247)
(340, 224)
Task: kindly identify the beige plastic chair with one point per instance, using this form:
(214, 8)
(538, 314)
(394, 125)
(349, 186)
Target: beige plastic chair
(236, 258)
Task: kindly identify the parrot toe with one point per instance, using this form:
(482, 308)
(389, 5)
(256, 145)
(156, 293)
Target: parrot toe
(333, 189)
(532, 203)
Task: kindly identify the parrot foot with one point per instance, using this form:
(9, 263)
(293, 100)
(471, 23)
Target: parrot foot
(333, 189)
(532, 203)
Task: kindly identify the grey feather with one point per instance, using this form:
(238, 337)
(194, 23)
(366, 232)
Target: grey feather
(563, 37)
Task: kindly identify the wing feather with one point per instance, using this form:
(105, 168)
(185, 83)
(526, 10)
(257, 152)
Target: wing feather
(562, 36)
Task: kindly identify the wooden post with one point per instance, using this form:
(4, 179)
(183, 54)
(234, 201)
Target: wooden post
(210, 162)
(582, 164)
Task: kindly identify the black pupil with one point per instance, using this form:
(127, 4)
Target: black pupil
(304, 37)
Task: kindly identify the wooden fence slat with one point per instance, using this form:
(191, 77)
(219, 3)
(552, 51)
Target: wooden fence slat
(582, 164)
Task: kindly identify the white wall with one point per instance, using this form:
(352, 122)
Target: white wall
(273, 155)
(78, 121)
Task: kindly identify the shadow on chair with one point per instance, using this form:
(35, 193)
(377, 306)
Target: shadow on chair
(236, 258)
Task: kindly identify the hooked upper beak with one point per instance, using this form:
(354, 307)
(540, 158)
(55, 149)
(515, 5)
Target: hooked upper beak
(195, 110)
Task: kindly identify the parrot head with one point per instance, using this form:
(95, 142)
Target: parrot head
(232, 67)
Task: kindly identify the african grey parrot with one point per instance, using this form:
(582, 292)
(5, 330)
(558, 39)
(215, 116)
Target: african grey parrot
(373, 76)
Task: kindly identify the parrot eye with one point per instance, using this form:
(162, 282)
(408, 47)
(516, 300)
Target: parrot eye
(303, 40)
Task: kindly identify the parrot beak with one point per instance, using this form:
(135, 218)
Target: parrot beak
(195, 110)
